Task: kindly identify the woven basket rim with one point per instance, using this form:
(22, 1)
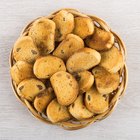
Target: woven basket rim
(118, 93)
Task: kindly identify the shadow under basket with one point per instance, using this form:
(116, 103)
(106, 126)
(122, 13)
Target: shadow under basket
(115, 95)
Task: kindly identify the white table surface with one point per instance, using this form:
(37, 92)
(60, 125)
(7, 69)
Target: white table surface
(15, 121)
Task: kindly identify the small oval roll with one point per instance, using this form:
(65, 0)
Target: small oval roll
(46, 66)
(43, 32)
(29, 88)
(84, 59)
(112, 60)
(105, 82)
(78, 109)
(84, 27)
(64, 24)
(101, 40)
(25, 50)
(95, 102)
(85, 80)
(68, 46)
(21, 70)
(42, 100)
(65, 87)
(57, 113)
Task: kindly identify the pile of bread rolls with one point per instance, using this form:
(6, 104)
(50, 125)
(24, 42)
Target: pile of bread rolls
(66, 67)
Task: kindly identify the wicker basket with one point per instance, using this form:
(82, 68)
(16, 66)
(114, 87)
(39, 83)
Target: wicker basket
(115, 96)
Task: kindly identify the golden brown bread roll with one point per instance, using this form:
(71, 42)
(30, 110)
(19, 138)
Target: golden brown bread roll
(95, 102)
(105, 82)
(21, 70)
(29, 88)
(84, 59)
(101, 40)
(83, 27)
(78, 109)
(65, 87)
(85, 80)
(112, 60)
(46, 66)
(64, 24)
(57, 113)
(68, 46)
(42, 100)
(25, 50)
(43, 32)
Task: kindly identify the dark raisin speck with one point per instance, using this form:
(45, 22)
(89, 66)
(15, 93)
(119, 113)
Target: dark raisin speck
(83, 107)
(20, 88)
(89, 97)
(40, 94)
(73, 105)
(18, 49)
(34, 52)
(40, 87)
(62, 51)
(46, 50)
(30, 97)
(105, 97)
(68, 76)
(77, 77)
(59, 33)
(59, 108)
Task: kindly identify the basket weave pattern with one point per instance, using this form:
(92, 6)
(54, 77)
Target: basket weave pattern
(115, 96)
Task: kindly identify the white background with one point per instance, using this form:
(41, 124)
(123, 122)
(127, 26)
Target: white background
(15, 121)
